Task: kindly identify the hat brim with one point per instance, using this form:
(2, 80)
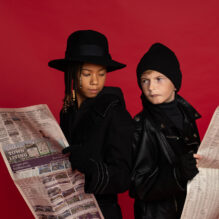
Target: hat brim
(111, 65)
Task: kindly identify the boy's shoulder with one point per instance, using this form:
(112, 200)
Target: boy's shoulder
(193, 113)
(142, 116)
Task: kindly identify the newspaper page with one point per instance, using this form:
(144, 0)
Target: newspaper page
(31, 142)
(202, 199)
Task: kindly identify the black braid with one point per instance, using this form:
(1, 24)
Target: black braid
(70, 86)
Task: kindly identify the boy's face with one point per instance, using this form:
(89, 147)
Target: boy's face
(157, 88)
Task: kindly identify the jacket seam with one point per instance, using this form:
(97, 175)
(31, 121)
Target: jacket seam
(98, 174)
(177, 182)
(107, 180)
(102, 179)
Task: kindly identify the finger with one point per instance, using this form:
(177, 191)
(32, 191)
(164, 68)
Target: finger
(197, 156)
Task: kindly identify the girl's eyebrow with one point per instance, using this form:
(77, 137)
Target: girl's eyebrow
(101, 69)
(86, 69)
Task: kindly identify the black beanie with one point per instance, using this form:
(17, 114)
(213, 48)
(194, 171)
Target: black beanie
(160, 58)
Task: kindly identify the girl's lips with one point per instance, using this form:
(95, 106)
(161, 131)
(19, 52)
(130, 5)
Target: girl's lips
(94, 91)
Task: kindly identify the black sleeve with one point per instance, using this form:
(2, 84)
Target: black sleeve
(113, 174)
(65, 121)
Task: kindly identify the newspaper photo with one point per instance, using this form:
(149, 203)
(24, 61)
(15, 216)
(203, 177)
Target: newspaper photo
(31, 144)
(202, 200)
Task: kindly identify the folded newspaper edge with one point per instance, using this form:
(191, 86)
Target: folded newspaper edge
(31, 142)
(202, 200)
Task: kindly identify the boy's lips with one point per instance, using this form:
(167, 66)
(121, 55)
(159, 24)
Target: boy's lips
(154, 95)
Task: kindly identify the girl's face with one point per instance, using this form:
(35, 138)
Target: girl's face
(91, 80)
(157, 88)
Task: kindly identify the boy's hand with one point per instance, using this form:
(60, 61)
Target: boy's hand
(187, 168)
(197, 157)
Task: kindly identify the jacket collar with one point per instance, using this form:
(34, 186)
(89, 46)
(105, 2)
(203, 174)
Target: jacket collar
(161, 120)
(108, 97)
(191, 111)
(188, 107)
(100, 105)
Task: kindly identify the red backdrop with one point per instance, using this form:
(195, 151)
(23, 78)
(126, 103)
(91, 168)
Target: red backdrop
(34, 32)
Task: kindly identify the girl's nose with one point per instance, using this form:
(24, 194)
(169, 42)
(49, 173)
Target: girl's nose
(94, 79)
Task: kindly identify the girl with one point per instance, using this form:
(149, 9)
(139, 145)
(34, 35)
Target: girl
(94, 119)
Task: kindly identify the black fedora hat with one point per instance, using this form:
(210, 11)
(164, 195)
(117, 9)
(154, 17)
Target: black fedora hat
(87, 46)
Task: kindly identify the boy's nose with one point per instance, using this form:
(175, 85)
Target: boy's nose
(151, 85)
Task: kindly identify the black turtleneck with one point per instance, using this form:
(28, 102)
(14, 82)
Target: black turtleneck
(163, 110)
(172, 111)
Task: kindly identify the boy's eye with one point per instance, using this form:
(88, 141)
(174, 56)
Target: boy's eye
(159, 79)
(144, 81)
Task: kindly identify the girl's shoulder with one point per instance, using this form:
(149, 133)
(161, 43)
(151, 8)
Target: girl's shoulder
(110, 98)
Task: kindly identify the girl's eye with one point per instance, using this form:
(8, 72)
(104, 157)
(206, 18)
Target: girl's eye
(102, 74)
(85, 74)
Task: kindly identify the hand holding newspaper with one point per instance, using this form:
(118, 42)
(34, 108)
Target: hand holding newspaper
(202, 201)
(31, 142)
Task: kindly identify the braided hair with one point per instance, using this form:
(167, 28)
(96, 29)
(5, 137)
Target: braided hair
(71, 80)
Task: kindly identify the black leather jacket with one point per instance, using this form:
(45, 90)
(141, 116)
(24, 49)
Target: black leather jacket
(157, 146)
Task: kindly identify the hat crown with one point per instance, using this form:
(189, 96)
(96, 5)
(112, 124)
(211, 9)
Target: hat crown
(86, 46)
(87, 43)
(160, 58)
(163, 53)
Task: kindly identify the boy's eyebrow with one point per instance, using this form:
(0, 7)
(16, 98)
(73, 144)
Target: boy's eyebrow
(144, 76)
(157, 76)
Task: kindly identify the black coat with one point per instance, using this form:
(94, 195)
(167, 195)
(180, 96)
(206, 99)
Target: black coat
(158, 145)
(103, 127)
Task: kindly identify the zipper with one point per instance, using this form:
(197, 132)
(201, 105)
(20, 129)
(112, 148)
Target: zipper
(173, 137)
(192, 143)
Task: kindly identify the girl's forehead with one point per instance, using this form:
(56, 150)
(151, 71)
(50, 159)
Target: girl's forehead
(152, 73)
(92, 66)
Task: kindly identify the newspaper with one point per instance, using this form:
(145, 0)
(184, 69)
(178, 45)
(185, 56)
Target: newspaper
(202, 199)
(31, 142)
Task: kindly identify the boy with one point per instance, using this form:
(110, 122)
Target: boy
(166, 138)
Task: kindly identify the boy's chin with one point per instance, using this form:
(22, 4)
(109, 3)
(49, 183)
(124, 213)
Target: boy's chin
(159, 100)
(156, 101)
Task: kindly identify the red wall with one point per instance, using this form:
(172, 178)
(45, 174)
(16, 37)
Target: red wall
(34, 32)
